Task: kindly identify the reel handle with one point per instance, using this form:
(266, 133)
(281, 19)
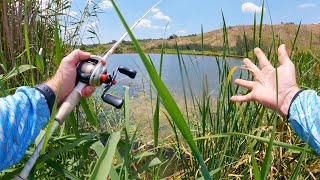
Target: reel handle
(112, 100)
(129, 72)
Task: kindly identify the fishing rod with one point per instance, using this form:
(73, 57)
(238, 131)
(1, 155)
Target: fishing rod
(89, 72)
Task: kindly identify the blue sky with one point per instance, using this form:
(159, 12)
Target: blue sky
(185, 16)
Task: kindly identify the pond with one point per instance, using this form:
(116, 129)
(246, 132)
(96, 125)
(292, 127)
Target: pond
(196, 67)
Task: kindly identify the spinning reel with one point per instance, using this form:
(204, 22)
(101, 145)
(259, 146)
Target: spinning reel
(92, 72)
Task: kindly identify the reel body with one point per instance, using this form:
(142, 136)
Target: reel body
(92, 72)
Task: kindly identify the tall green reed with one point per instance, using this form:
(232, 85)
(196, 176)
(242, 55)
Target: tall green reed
(166, 98)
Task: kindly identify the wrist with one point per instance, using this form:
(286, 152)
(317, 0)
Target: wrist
(48, 94)
(288, 99)
(55, 84)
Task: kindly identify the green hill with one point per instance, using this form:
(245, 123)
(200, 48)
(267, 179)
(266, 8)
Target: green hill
(308, 39)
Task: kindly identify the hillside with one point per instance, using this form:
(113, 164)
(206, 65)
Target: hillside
(285, 32)
(309, 35)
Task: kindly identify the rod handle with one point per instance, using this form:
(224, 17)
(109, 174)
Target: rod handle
(70, 103)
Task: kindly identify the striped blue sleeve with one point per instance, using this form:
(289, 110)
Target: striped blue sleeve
(22, 116)
(304, 117)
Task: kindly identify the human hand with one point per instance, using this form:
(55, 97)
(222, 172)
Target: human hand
(65, 77)
(263, 88)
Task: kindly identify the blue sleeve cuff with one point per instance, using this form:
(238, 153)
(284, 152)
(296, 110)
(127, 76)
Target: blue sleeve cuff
(294, 97)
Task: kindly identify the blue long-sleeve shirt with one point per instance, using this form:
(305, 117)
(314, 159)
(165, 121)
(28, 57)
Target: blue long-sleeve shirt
(304, 117)
(22, 116)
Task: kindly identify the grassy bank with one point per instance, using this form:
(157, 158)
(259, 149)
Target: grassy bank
(128, 48)
(191, 52)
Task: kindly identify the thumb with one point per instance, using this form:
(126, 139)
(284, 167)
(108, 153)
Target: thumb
(77, 55)
(87, 91)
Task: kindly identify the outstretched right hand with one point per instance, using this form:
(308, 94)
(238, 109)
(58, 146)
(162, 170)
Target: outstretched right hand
(263, 88)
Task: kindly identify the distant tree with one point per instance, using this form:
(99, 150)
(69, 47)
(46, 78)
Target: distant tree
(240, 45)
(287, 22)
(83, 47)
(173, 36)
(118, 51)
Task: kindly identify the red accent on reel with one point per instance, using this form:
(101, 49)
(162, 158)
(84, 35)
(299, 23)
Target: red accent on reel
(104, 78)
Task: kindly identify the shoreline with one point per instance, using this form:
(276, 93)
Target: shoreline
(171, 51)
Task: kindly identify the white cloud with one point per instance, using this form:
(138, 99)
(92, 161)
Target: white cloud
(307, 5)
(155, 10)
(158, 14)
(146, 23)
(251, 8)
(105, 4)
(161, 16)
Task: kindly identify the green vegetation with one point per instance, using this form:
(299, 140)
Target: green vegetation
(208, 136)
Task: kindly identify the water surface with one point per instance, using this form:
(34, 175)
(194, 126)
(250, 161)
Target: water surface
(196, 66)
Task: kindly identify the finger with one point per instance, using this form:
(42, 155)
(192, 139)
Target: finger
(244, 83)
(245, 98)
(283, 55)
(263, 60)
(249, 64)
(87, 91)
(77, 55)
(103, 62)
